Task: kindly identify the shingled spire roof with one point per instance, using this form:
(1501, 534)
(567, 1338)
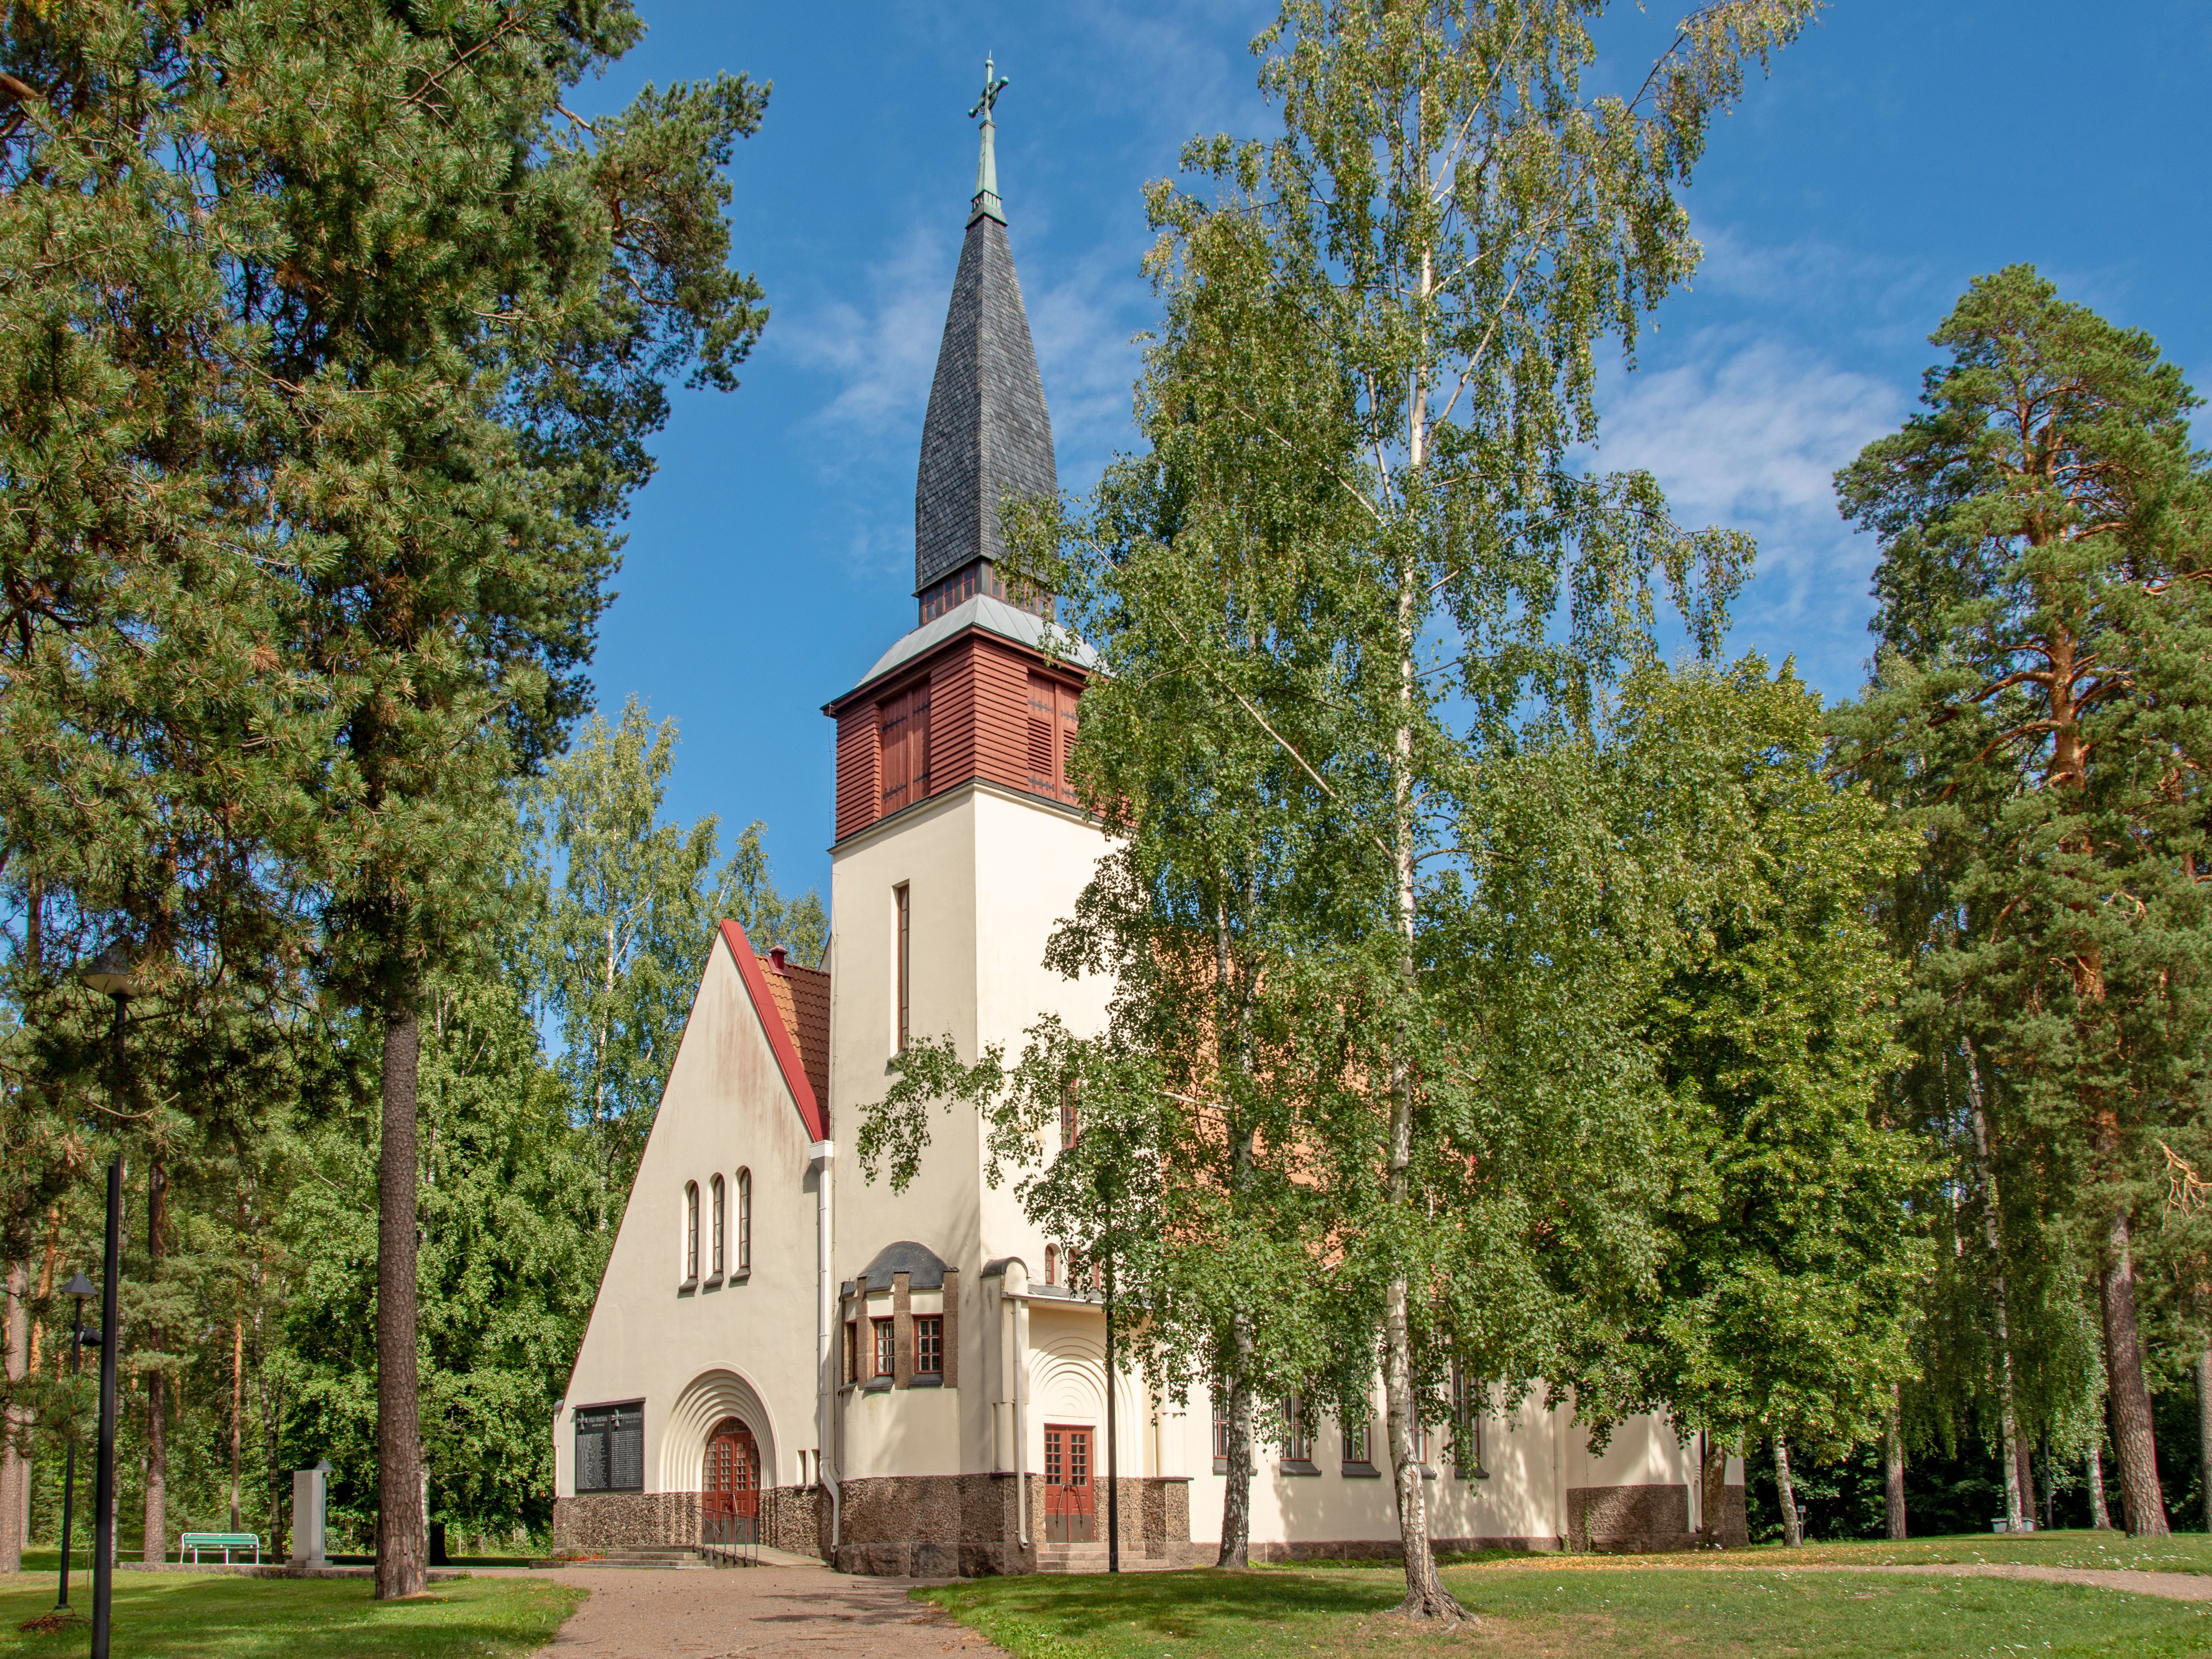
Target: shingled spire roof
(986, 436)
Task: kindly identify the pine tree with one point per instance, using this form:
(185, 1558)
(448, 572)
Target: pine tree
(2043, 697)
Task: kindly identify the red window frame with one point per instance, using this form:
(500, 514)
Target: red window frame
(929, 1344)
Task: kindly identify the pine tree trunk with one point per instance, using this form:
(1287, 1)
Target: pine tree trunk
(14, 1469)
(1892, 1466)
(156, 1540)
(401, 1538)
(1236, 1501)
(2132, 1441)
(2101, 1518)
(1785, 1492)
(2204, 1433)
(237, 1409)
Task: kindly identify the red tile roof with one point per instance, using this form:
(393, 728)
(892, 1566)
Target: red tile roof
(787, 1008)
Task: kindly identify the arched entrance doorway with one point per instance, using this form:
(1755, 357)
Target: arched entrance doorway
(731, 1510)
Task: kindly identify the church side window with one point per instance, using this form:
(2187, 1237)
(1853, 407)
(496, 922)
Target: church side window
(852, 1352)
(611, 1448)
(714, 1193)
(1358, 1442)
(690, 1232)
(744, 1221)
(929, 1346)
(1052, 1264)
(1297, 1440)
(886, 1347)
(902, 905)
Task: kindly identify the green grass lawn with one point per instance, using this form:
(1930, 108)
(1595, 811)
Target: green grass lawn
(223, 1616)
(1299, 1613)
(2187, 1552)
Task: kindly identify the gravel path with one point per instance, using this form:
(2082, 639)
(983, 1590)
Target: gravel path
(808, 1612)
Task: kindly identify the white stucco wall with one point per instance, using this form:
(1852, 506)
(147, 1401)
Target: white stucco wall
(745, 1346)
(988, 874)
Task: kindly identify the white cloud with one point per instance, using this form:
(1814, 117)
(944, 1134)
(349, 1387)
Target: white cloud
(1742, 428)
(1747, 431)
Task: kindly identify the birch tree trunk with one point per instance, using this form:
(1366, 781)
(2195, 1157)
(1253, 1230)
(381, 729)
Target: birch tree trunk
(1993, 1236)
(1785, 1493)
(2101, 1518)
(1236, 1502)
(1893, 1467)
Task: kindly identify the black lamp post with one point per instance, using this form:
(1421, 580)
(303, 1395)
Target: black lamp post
(110, 974)
(80, 1287)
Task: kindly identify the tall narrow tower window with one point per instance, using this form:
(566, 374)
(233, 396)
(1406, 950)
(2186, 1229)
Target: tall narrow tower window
(714, 1187)
(745, 1222)
(903, 952)
(690, 1232)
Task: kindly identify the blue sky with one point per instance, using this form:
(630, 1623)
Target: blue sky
(1898, 149)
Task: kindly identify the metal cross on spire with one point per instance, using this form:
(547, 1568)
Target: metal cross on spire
(993, 84)
(986, 163)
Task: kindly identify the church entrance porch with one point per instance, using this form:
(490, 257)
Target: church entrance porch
(1069, 1511)
(730, 1514)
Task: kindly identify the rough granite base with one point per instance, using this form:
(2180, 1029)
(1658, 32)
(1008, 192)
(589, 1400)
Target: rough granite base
(793, 1518)
(969, 1526)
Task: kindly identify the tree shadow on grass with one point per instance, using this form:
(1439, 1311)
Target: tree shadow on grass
(1177, 1606)
(173, 1617)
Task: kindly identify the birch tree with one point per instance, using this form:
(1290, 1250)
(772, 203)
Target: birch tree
(1452, 222)
(624, 918)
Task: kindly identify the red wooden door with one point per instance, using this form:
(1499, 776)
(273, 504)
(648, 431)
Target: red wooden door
(732, 1505)
(1069, 1512)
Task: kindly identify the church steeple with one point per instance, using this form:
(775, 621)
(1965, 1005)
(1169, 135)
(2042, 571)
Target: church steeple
(987, 434)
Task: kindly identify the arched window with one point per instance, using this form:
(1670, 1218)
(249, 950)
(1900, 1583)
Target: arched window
(715, 1186)
(690, 1232)
(1052, 1264)
(744, 1221)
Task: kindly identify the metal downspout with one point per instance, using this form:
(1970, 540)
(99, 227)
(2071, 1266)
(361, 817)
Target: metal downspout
(821, 1158)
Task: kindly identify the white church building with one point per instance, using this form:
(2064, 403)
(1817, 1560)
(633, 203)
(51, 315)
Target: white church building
(893, 1382)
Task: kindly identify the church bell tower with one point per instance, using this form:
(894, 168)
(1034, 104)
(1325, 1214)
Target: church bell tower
(958, 847)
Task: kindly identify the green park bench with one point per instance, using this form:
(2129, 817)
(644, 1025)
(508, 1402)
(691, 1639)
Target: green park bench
(225, 1541)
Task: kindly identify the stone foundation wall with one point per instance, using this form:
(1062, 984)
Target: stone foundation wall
(1629, 1520)
(793, 1519)
(969, 1526)
(796, 1519)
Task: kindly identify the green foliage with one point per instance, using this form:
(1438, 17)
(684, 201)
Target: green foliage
(2042, 705)
(1786, 1289)
(629, 915)
(510, 1261)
